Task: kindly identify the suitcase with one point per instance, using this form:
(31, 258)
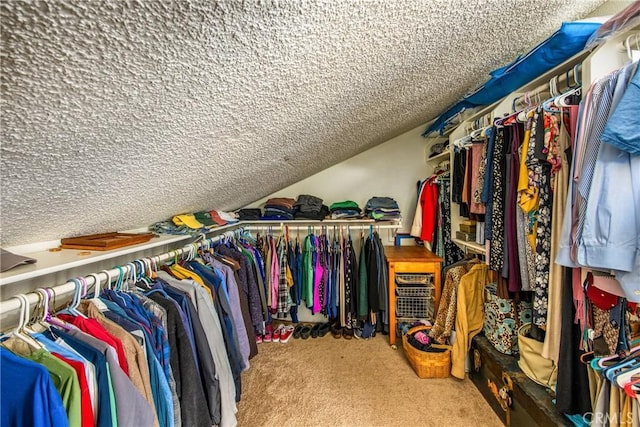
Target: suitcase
(516, 399)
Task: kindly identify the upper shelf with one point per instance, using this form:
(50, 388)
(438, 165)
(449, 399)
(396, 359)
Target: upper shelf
(440, 157)
(470, 246)
(52, 260)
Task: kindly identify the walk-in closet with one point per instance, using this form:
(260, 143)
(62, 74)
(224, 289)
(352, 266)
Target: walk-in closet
(312, 213)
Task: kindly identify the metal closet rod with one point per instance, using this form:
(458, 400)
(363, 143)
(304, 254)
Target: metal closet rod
(561, 79)
(319, 225)
(68, 288)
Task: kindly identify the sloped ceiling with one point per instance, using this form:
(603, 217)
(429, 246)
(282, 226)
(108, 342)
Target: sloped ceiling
(120, 113)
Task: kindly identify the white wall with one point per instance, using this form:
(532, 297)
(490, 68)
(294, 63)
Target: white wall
(391, 169)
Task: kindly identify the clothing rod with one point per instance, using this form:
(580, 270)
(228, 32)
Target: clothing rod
(562, 80)
(68, 288)
(319, 225)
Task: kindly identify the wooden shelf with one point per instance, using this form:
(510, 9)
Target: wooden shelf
(65, 259)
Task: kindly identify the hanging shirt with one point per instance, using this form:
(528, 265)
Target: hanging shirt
(89, 369)
(106, 410)
(215, 339)
(429, 202)
(29, 397)
(307, 271)
(131, 408)
(86, 417)
(93, 328)
(623, 127)
(183, 367)
(416, 227)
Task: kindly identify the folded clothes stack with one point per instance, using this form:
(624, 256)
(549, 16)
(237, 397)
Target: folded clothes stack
(249, 214)
(223, 217)
(382, 209)
(310, 207)
(279, 208)
(345, 210)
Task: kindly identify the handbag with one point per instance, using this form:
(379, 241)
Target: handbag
(539, 369)
(503, 317)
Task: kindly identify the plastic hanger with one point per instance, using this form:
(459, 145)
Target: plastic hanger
(627, 45)
(75, 302)
(97, 290)
(611, 372)
(561, 100)
(19, 332)
(622, 378)
(47, 319)
(142, 277)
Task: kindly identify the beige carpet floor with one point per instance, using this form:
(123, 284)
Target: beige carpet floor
(356, 383)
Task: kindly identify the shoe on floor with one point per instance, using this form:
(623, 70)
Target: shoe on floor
(268, 334)
(258, 339)
(357, 333)
(276, 334)
(297, 331)
(286, 333)
(305, 332)
(347, 333)
(324, 329)
(336, 330)
(315, 330)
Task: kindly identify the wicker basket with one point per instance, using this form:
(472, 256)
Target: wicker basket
(424, 363)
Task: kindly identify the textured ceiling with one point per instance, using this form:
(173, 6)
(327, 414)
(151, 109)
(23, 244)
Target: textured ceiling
(118, 114)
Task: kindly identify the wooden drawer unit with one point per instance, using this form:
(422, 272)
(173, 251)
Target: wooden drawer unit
(407, 264)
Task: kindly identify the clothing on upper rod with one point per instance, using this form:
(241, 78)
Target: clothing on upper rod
(604, 185)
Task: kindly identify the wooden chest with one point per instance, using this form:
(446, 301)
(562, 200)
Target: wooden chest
(516, 399)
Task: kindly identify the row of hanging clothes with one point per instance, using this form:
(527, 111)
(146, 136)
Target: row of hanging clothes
(556, 185)
(165, 346)
(326, 273)
(512, 177)
(599, 242)
(432, 219)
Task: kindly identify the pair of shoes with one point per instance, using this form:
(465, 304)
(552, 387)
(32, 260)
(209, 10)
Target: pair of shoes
(347, 333)
(285, 333)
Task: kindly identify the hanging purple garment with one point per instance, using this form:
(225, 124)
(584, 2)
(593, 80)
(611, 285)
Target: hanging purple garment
(513, 278)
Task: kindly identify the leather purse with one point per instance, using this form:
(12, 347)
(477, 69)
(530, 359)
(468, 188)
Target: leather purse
(539, 369)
